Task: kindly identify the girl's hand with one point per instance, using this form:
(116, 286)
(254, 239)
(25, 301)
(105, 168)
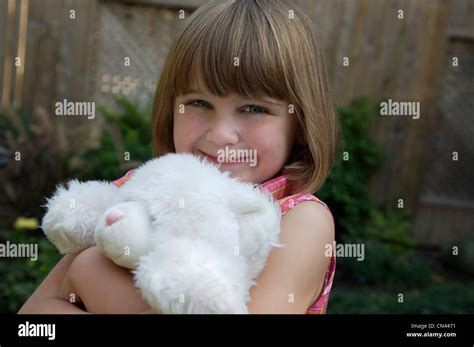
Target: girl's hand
(45, 298)
(103, 286)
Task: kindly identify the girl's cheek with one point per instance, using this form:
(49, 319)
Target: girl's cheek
(272, 143)
(263, 137)
(188, 128)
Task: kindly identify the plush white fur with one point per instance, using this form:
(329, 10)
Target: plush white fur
(195, 238)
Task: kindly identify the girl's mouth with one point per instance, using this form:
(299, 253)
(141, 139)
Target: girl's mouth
(209, 157)
(216, 161)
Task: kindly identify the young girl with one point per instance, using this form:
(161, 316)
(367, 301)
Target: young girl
(241, 75)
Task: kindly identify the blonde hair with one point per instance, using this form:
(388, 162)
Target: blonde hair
(279, 56)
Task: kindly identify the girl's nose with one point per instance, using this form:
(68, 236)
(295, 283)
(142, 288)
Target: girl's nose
(223, 132)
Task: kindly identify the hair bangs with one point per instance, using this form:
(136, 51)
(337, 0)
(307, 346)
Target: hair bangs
(232, 51)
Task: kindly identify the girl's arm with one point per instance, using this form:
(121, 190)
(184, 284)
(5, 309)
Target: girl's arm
(293, 276)
(101, 285)
(46, 299)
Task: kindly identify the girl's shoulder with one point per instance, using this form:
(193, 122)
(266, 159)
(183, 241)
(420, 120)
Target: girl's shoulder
(290, 201)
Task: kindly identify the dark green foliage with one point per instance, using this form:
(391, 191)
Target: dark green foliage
(128, 132)
(32, 164)
(346, 190)
(385, 233)
(21, 276)
(437, 298)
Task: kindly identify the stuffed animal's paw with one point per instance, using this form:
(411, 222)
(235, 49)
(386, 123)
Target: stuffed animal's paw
(123, 233)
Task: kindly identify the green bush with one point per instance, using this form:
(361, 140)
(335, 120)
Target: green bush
(346, 190)
(21, 276)
(437, 298)
(385, 233)
(32, 164)
(128, 131)
(390, 259)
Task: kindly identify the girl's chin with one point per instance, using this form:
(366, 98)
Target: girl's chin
(241, 175)
(234, 171)
(240, 171)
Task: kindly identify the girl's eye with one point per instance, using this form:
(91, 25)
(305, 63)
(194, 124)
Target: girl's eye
(252, 109)
(199, 103)
(255, 109)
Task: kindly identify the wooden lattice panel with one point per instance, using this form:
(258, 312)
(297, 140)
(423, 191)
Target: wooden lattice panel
(131, 43)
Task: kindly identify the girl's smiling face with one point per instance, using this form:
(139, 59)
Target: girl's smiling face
(260, 132)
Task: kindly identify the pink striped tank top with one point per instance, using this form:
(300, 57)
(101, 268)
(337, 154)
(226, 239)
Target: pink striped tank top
(280, 189)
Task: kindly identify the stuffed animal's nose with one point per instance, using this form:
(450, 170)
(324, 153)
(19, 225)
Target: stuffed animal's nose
(113, 216)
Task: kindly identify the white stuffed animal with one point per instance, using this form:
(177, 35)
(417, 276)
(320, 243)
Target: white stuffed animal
(195, 237)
